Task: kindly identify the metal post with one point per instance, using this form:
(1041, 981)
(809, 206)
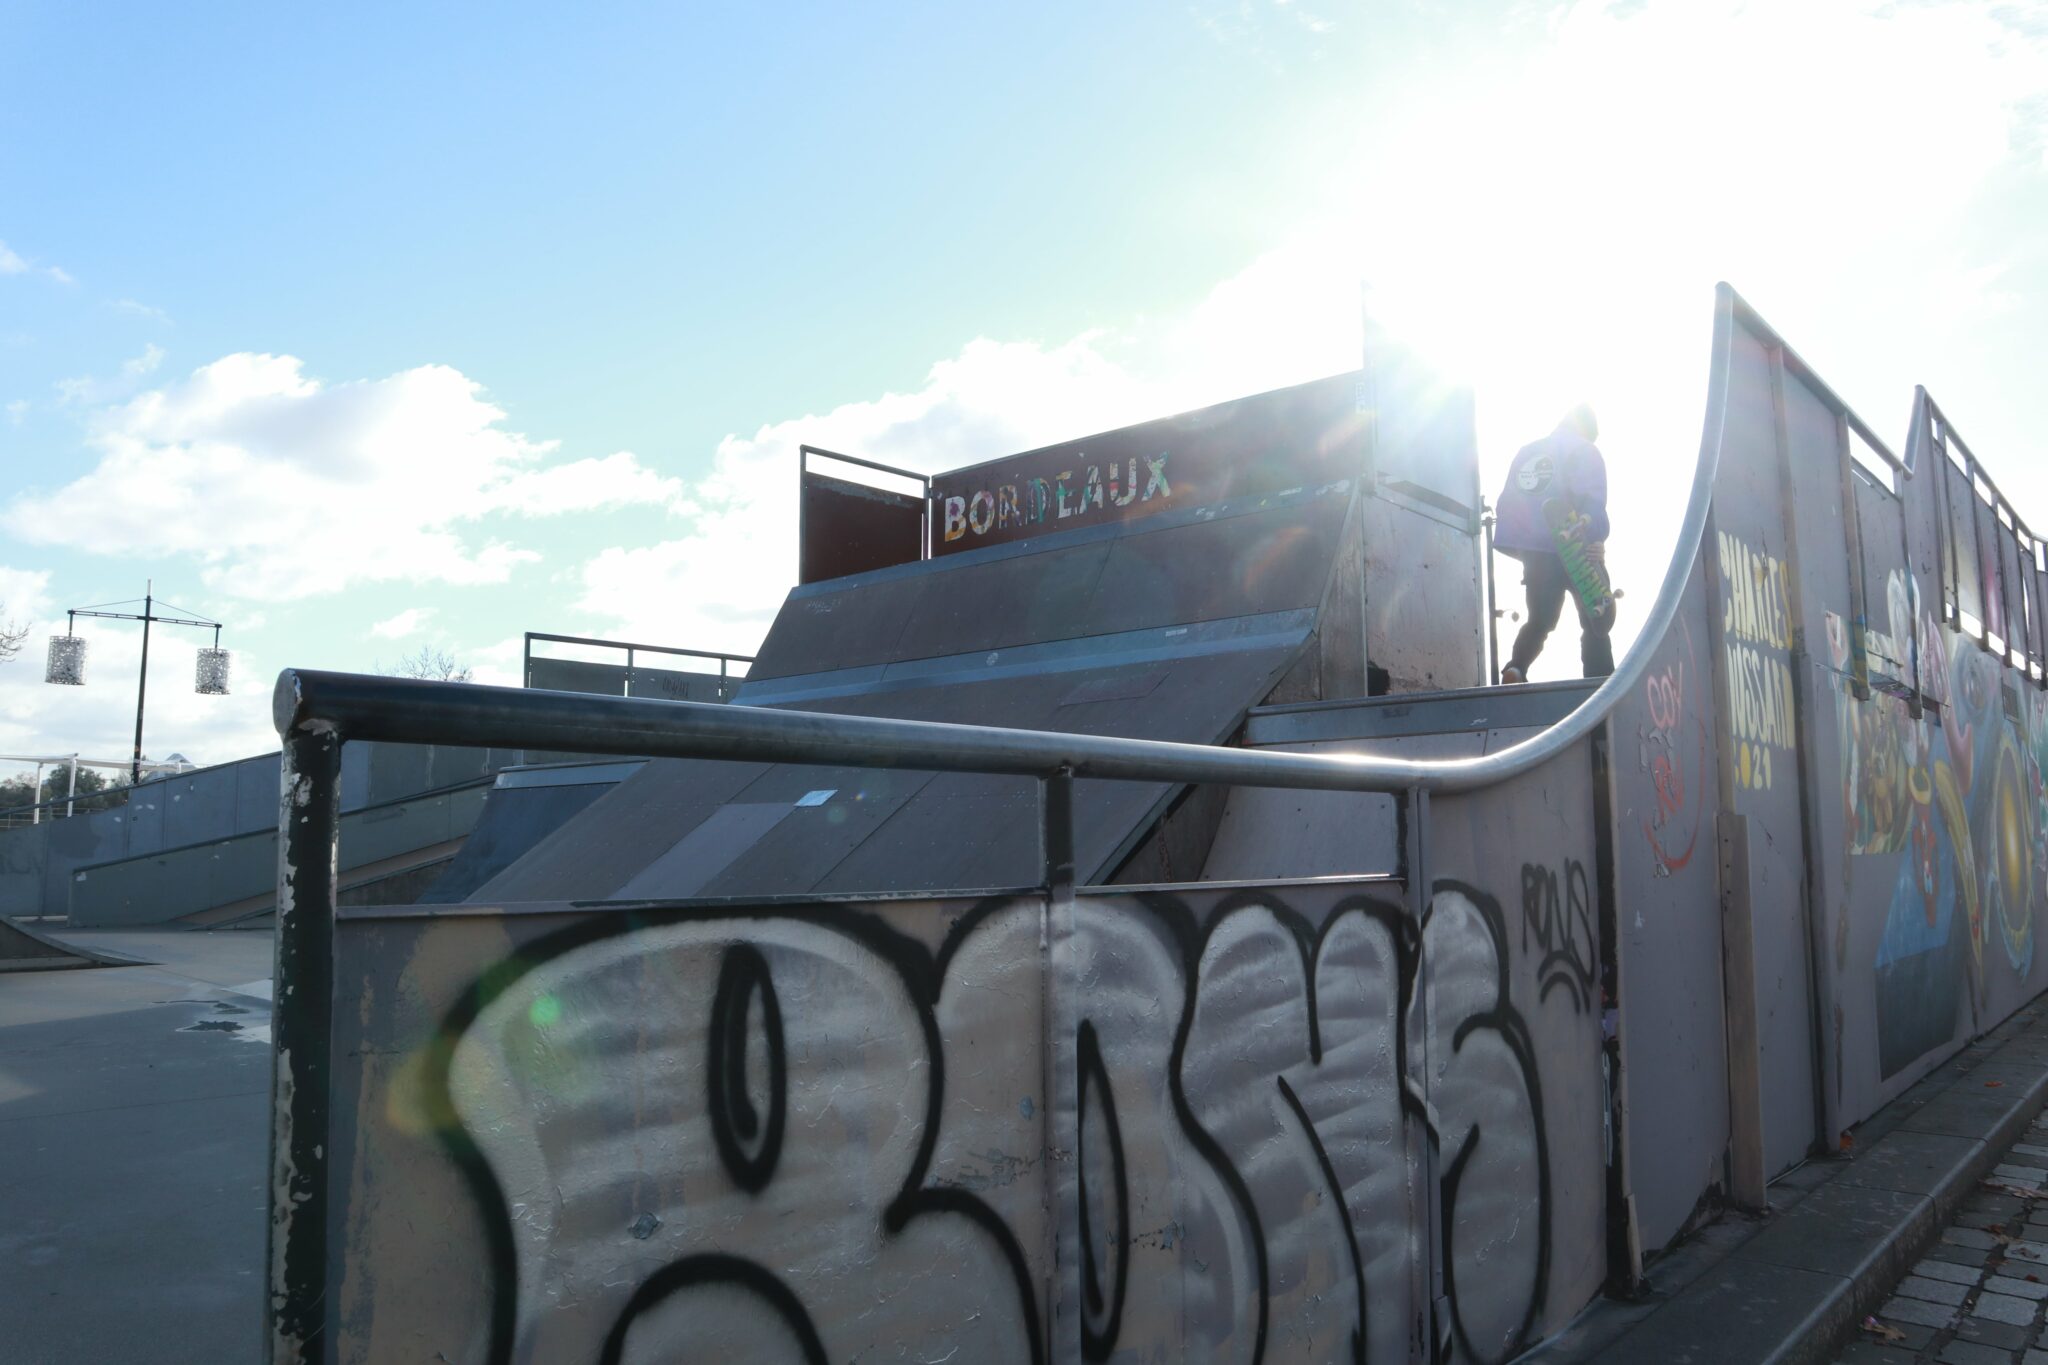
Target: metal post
(141, 687)
(35, 811)
(71, 792)
(1433, 1313)
(310, 818)
(1492, 610)
(1056, 833)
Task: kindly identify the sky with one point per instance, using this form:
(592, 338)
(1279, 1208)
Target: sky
(378, 327)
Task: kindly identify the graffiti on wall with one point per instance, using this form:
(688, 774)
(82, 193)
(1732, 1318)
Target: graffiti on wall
(1673, 750)
(1958, 794)
(1756, 631)
(793, 1133)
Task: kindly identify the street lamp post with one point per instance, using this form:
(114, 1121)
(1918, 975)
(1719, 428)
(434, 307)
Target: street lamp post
(67, 657)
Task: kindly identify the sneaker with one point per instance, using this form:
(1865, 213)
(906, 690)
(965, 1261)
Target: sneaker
(1511, 675)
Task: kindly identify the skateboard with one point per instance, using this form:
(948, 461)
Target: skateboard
(1584, 566)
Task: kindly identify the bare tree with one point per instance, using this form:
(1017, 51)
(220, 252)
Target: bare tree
(12, 636)
(435, 665)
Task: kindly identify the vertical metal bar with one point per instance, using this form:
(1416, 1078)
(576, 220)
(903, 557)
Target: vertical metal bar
(2041, 605)
(1859, 591)
(1492, 609)
(1977, 551)
(1056, 833)
(1902, 481)
(141, 689)
(1433, 1313)
(1951, 586)
(803, 464)
(71, 791)
(629, 670)
(1059, 1126)
(526, 662)
(309, 829)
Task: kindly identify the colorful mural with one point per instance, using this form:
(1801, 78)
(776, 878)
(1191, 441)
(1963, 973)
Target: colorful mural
(1958, 792)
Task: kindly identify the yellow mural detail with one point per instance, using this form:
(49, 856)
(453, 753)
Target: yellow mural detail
(1756, 633)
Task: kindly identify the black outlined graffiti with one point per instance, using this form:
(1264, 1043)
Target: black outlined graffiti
(1103, 1238)
(1564, 933)
(748, 1141)
(1244, 1109)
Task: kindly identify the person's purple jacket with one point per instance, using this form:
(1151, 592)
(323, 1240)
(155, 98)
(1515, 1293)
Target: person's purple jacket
(1563, 464)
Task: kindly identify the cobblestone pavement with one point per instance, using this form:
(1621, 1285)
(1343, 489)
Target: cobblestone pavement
(1978, 1297)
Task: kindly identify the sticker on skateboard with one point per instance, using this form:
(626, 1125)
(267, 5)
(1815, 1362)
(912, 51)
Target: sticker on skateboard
(1585, 567)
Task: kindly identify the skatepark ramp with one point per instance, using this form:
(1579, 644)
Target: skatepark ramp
(23, 949)
(1394, 1024)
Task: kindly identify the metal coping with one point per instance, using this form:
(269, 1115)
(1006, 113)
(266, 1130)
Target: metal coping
(1152, 644)
(586, 774)
(1470, 711)
(1097, 890)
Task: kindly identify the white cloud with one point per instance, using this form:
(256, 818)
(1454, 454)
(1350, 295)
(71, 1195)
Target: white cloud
(407, 622)
(87, 389)
(591, 485)
(16, 410)
(141, 310)
(12, 263)
(282, 486)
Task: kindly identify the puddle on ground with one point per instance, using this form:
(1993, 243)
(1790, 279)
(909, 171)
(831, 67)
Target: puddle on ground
(212, 1026)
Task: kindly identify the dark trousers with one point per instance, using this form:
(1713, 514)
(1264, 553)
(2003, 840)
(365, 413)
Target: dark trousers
(1544, 578)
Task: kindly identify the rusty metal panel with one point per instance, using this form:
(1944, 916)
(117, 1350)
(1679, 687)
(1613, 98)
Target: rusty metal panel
(849, 528)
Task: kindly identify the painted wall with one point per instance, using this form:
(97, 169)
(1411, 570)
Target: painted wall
(1190, 1122)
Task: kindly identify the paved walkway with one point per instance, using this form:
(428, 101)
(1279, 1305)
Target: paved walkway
(1978, 1296)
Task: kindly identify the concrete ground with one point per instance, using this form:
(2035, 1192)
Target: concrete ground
(133, 1132)
(1977, 1297)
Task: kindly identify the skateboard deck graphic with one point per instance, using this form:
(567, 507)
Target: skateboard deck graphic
(1584, 567)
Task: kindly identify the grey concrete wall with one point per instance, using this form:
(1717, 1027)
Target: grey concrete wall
(214, 804)
(162, 886)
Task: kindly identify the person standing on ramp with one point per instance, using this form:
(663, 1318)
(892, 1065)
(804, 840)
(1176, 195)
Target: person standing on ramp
(1552, 516)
